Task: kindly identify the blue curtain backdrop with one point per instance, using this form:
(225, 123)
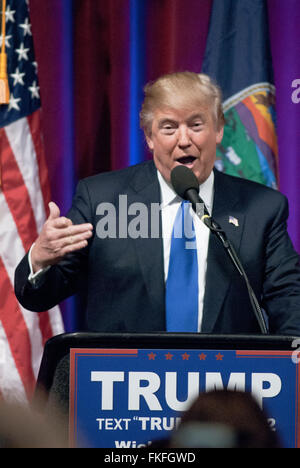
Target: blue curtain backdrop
(95, 56)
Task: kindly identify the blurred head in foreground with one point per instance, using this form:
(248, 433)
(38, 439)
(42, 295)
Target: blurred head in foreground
(224, 419)
(22, 426)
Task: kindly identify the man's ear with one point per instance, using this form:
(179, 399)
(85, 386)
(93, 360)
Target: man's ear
(219, 135)
(149, 142)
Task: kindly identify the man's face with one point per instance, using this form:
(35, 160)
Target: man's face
(186, 137)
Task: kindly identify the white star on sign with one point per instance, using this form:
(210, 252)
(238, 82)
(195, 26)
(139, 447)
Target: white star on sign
(22, 52)
(18, 77)
(13, 103)
(34, 89)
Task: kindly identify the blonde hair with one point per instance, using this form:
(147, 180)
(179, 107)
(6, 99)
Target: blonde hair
(181, 90)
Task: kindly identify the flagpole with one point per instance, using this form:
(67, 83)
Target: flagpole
(4, 89)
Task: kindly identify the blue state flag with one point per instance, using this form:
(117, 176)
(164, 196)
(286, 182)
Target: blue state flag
(238, 58)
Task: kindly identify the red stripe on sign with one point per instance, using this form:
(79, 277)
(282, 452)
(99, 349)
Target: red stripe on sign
(105, 351)
(263, 353)
(34, 122)
(16, 194)
(16, 332)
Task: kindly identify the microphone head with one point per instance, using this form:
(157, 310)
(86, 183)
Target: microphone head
(183, 179)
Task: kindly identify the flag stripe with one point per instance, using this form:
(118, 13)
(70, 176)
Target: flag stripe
(32, 159)
(14, 189)
(16, 332)
(14, 237)
(45, 326)
(34, 122)
(10, 257)
(16, 194)
(56, 320)
(24, 216)
(10, 381)
(19, 138)
(50, 324)
(40, 326)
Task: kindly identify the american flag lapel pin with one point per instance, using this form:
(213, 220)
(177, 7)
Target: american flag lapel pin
(233, 221)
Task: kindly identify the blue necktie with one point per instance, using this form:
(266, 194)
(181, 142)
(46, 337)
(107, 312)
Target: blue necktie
(182, 280)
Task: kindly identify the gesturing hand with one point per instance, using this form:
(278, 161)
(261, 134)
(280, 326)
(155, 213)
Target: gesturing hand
(59, 236)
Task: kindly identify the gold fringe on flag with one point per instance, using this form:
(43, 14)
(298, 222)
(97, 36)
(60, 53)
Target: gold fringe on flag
(4, 89)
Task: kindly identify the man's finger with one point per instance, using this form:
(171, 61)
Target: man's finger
(73, 247)
(54, 211)
(73, 239)
(62, 222)
(66, 228)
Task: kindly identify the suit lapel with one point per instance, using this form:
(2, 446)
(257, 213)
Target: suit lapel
(219, 266)
(145, 189)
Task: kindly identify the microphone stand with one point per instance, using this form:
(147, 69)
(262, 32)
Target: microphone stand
(221, 235)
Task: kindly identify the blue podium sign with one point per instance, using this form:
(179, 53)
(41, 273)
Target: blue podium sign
(127, 398)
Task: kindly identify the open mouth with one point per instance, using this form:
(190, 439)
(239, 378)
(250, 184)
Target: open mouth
(186, 160)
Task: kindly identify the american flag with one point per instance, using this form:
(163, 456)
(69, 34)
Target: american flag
(24, 195)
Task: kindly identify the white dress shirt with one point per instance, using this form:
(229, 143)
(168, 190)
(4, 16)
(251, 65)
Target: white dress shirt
(170, 203)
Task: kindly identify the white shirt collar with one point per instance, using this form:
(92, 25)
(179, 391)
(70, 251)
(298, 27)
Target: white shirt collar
(168, 195)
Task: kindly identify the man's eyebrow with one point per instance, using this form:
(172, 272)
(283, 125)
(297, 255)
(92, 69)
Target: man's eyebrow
(197, 115)
(194, 116)
(165, 120)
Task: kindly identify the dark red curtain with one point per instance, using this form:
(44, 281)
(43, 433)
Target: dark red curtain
(174, 38)
(95, 56)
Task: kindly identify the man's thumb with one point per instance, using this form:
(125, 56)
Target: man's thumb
(54, 211)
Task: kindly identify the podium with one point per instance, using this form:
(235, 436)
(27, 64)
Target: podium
(126, 390)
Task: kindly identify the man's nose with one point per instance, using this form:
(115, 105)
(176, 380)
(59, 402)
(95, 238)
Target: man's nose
(183, 138)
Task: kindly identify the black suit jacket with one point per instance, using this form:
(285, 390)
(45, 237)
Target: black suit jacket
(123, 278)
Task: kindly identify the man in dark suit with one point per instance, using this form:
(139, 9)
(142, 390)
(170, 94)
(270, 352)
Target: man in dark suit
(115, 242)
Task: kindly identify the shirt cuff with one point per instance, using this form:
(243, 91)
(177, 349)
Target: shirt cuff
(34, 278)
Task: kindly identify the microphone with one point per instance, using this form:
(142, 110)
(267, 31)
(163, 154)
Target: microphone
(186, 185)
